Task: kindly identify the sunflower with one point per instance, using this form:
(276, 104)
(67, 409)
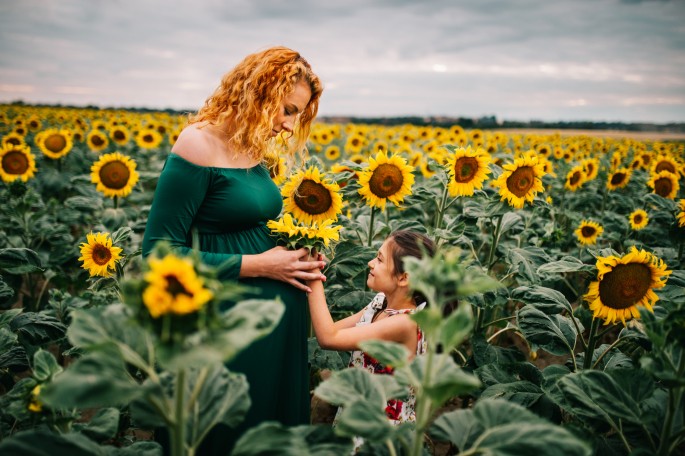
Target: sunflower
(332, 152)
(55, 143)
(97, 140)
(665, 163)
(590, 168)
(386, 179)
(354, 144)
(17, 162)
(120, 134)
(588, 231)
(521, 180)
(174, 287)
(680, 216)
(664, 184)
(625, 283)
(35, 405)
(468, 169)
(115, 174)
(13, 139)
(310, 198)
(148, 138)
(98, 254)
(618, 179)
(575, 178)
(638, 219)
(276, 166)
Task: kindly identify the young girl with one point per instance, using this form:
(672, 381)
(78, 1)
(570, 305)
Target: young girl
(385, 318)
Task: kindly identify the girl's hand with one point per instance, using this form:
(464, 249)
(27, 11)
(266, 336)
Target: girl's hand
(289, 266)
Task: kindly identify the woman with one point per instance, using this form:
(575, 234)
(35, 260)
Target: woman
(214, 183)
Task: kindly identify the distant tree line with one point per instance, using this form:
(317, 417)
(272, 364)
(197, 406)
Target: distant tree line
(484, 122)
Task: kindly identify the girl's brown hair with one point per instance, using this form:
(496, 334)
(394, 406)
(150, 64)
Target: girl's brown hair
(251, 94)
(410, 243)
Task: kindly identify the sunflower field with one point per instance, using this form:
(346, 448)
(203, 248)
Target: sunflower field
(557, 316)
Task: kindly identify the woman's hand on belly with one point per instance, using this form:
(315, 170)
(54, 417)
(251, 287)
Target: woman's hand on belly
(289, 266)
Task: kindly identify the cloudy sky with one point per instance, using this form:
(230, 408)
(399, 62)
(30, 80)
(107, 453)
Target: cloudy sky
(612, 60)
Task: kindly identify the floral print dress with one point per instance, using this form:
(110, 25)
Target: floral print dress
(397, 411)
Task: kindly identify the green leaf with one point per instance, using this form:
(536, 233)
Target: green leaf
(509, 427)
(449, 381)
(104, 425)
(223, 399)
(363, 419)
(391, 354)
(459, 427)
(566, 264)
(38, 442)
(349, 385)
(553, 333)
(594, 395)
(37, 328)
(20, 260)
(8, 315)
(523, 392)
(44, 366)
(456, 328)
(241, 325)
(275, 438)
(526, 261)
(429, 319)
(97, 380)
(542, 298)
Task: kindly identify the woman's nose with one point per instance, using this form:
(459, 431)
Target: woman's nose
(287, 126)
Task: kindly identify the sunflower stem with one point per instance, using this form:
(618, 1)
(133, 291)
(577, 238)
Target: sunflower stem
(674, 398)
(178, 430)
(495, 241)
(441, 210)
(592, 340)
(371, 222)
(116, 202)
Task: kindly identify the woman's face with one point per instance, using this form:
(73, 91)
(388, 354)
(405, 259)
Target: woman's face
(291, 107)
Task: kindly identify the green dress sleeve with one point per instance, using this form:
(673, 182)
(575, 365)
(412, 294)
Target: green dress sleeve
(180, 191)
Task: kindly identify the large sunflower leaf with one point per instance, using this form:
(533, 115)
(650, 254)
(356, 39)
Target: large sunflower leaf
(542, 298)
(269, 438)
(349, 385)
(553, 333)
(495, 426)
(20, 260)
(594, 395)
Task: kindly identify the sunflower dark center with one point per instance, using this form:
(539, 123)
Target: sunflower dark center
(663, 186)
(575, 178)
(465, 169)
(13, 141)
(55, 143)
(521, 181)
(625, 285)
(101, 254)
(115, 174)
(313, 198)
(119, 135)
(148, 138)
(15, 162)
(665, 166)
(97, 140)
(588, 231)
(386, 180)
(618, 178)
(589, 168)
(175, 287)
(637, 219)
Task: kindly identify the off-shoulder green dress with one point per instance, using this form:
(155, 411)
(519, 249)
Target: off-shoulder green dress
(229, 208)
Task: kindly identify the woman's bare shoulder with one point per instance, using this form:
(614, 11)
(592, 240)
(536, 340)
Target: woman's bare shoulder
(196, 144)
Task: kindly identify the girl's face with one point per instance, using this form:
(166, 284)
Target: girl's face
(292, 105)
(382, 276)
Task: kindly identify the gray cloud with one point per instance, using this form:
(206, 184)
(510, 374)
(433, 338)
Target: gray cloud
(598, 60)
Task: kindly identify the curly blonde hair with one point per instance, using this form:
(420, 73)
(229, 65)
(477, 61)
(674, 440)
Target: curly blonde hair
(251, 95)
